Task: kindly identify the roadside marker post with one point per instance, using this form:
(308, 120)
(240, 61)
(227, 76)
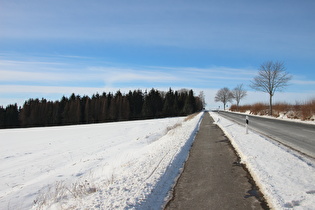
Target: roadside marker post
(246, 125)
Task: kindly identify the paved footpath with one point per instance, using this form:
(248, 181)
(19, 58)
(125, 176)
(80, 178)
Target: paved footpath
(211, 179)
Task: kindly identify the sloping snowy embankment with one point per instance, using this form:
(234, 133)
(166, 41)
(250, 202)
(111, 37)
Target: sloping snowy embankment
(282, 116)
(125, 165)
(286, 178)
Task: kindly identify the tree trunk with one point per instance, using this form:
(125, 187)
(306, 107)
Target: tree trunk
(270, 104)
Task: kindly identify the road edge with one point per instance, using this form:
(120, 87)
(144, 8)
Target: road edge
(266, 199)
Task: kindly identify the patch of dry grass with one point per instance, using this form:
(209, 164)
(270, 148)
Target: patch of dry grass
(259, 109)
(308, 110)
(169, 128)
(189, 117)
(242, 108)
(60, 192)
(303, 111)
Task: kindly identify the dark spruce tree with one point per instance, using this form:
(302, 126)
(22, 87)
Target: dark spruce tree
(169, 101)
(2, 117)
(10, 116)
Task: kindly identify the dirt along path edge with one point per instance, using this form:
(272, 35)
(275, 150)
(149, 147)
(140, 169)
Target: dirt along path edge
(212, 177)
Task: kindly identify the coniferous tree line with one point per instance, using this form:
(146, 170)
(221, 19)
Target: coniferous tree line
(106, 107)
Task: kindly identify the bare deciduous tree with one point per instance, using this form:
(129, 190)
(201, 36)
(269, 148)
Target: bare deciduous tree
(272, 76)
(202, 99)
(239, 93)
(224, 95)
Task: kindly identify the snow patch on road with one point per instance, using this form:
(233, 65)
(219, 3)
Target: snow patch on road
(286, 179)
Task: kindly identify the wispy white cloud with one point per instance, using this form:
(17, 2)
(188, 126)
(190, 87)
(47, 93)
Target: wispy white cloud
(59, 73)
(121, 75)
(13, 72)
(18, 76)
(303, 82)
(38, 77)
(39, 89)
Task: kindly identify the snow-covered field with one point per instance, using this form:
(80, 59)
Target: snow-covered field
(133, 165)
(287, 179)
(101, 166)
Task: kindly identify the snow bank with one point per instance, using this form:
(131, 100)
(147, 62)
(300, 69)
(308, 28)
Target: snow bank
(282, 116)
(102, 166)
(286, 178)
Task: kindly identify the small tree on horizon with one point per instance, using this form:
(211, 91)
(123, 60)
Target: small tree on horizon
(202, 99)
(239, 93)
(224, 95)
(272, 76)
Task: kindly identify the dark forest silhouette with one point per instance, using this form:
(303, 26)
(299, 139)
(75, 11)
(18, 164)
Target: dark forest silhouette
(107, 107)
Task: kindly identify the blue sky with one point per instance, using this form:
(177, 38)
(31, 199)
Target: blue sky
(51, 48)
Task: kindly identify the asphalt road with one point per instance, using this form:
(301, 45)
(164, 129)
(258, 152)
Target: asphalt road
(212, 177)
(299, 136)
